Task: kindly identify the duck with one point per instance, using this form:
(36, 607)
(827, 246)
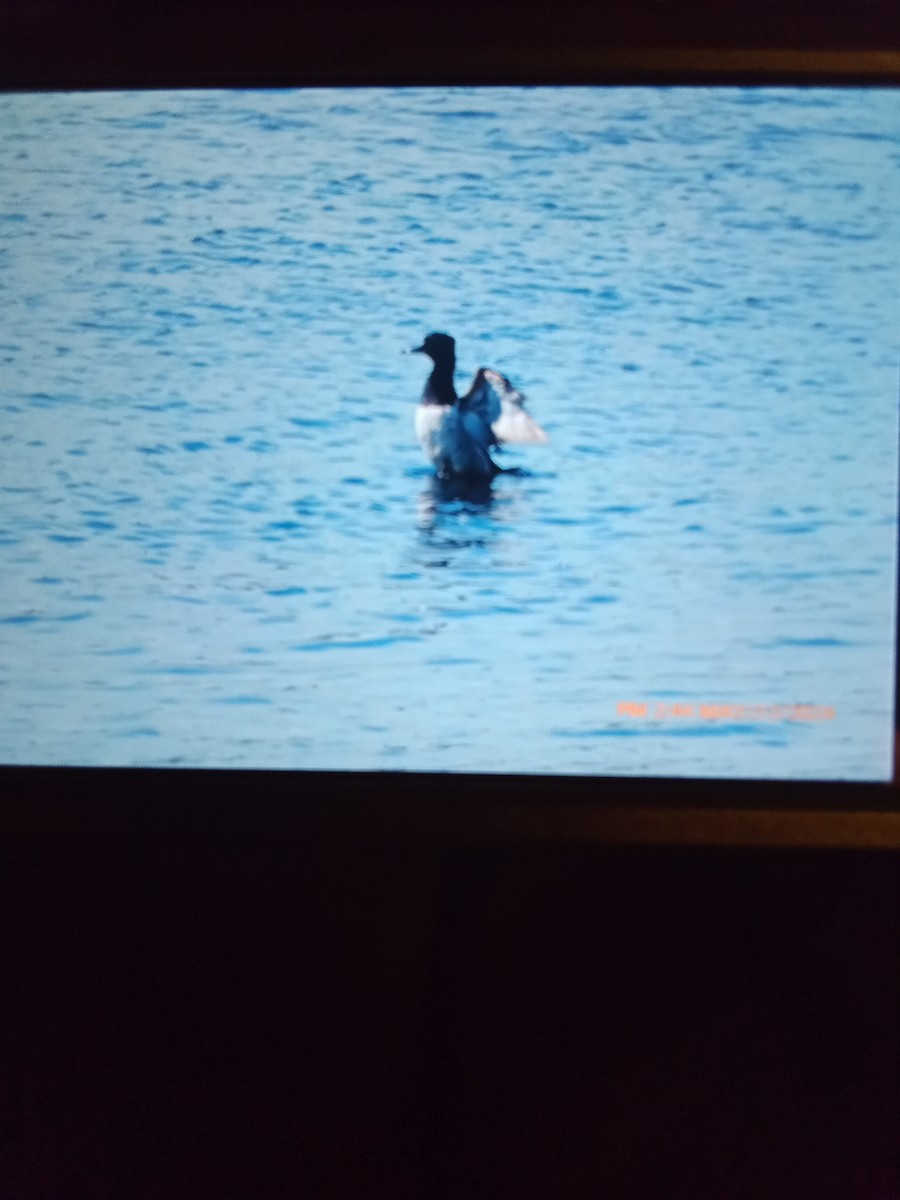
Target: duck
(457, 432)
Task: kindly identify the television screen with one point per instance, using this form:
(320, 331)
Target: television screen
(633, 514)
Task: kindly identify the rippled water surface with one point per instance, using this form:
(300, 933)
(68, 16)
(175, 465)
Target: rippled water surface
(221, 543)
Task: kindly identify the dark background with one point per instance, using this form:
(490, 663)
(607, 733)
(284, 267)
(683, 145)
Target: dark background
(205, 1017)
(215, 987)
(102, 42)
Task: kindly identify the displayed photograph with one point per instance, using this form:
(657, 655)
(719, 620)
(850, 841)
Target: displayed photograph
(543, 431)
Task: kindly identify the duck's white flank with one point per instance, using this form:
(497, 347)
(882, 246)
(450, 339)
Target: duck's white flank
(429, 421)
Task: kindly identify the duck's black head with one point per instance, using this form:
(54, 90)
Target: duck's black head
(440, 348)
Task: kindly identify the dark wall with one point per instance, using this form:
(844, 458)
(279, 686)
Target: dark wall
(206, 1017)
(104, 42)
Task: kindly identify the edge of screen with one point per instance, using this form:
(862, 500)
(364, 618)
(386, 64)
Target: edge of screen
(45, 66)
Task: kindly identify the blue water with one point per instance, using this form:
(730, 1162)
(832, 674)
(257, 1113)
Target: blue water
(221, 544)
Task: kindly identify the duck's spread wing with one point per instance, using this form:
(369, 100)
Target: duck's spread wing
(465, 440)
(504, 409)
(482, 398)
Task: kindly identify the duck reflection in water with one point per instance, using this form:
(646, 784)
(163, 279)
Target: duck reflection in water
(448, 512)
